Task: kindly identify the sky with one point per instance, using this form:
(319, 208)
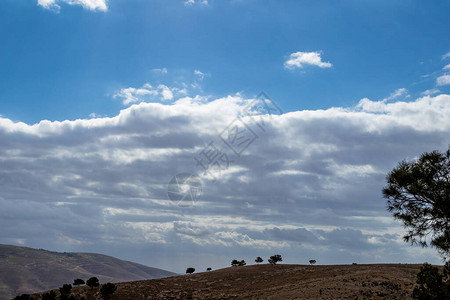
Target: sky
(286, 116)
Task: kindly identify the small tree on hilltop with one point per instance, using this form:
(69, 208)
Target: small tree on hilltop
(209, 269)
(275, 258)
(312, 261)
(92, 282)
(242, 263)
(65, 289)
(190, 270)
(259, 260)
(78, 282)
(108, 289)
(235, 262)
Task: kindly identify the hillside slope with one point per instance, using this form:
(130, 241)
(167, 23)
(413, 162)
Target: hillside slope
(386, 281)
(27, 270)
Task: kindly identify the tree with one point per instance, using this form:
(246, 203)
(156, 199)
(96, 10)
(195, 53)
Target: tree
(190, 270)
(92, 282)
(259, 260)
(236, 262)
(49, 296)
(209, 269)
(432, 284)
(312, 261)
(78, 282)
(275, 258)
(65, 289)
(418, 194)
(108, 289)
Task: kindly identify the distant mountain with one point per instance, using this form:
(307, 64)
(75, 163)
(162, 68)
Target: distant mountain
(27, 270)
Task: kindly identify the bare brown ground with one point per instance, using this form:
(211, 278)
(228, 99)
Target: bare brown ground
(377, 281)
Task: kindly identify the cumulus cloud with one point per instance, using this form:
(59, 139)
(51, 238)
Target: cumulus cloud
(300, 59)
(147, 92)
(443, 80)
(87, 4)
(309, 182)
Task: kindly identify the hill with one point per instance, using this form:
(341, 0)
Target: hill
(27, 270)
(388, 281)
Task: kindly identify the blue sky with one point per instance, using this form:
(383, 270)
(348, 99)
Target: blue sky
(68, 64)
(103, 102)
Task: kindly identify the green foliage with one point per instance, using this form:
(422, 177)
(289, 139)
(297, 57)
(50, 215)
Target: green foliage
(78, 281)
(92, 282)
(65, 289)
(190, 270)
(275, 258)
(108, 289)
(259, 260)
(418, 194)
(49, 296)
(432, 284)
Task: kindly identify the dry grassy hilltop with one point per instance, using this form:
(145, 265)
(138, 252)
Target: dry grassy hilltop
(375, 281)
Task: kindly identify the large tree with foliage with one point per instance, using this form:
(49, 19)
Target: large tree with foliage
(418, 194)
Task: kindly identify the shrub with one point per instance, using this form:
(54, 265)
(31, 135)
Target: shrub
(432, 284)
(209, 269)
(108, 289)
(65, 289)
(312, 261)
(49, 296)
(259, 260)
(190, 270)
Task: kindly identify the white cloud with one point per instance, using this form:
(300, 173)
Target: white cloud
(396, 94)
(87, 4)
(192, 2)
(162, 71)
(446, 55)
(430, 92)
(312, 180)
(300, 59)
(147, 92)
(443, 80)
(447, 67)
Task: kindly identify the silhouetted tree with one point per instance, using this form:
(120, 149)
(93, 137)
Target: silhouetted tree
(49, 296)
(312, 261)
(259, 260)
(275, 258)
(209, 269)
(190, 270)
(78, 282)
(418, 194)
(108, 289)
(236, 262)
(432, 284)
(65, 289)
(92, 282)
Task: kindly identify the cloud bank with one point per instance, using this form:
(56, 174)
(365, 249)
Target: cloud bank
(310, 182)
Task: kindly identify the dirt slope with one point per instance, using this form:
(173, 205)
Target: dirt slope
(378, 281)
